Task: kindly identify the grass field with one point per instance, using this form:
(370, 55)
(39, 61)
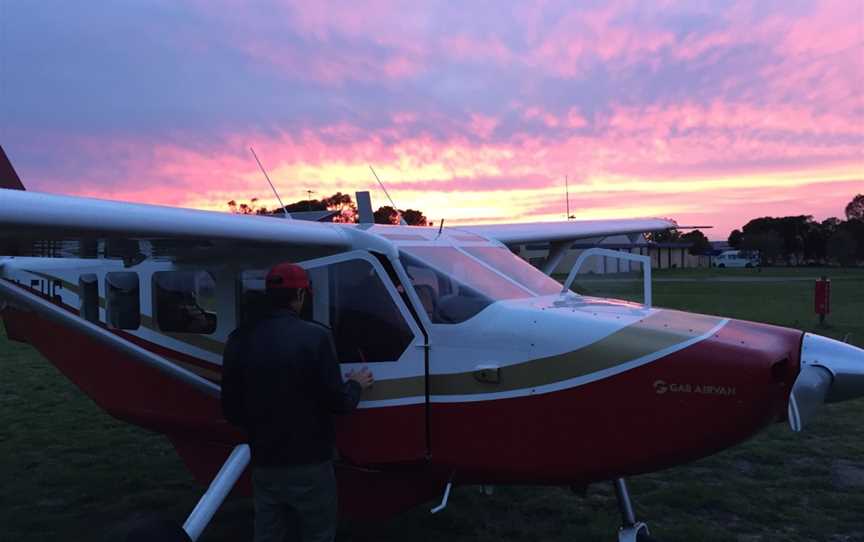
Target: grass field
(70, 472)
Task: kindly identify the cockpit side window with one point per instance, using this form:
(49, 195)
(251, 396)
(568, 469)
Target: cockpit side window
(511, 265)
(444, 299)
(351, 298)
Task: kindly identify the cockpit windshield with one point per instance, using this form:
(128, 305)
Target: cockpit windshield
(516, 268)
(451, 285)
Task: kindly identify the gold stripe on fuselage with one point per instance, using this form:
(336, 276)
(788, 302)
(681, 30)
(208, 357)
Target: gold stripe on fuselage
(662, 330)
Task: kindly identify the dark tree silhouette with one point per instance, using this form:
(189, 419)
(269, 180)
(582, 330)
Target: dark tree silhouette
(415, 218)
(243, 208)
(791, 230)
(701, 245)
(768, 244)
(386, 215)
(855, 208)
(735, 238)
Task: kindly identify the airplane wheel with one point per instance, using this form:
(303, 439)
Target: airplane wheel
(161, 531)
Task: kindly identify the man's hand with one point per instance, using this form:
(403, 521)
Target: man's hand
(363, 377)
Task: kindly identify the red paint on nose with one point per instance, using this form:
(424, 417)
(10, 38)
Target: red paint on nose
(704, 398)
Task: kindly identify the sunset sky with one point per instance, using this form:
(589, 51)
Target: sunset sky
(706, 112)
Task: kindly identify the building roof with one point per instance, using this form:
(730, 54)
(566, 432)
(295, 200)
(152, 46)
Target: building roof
(311, 216)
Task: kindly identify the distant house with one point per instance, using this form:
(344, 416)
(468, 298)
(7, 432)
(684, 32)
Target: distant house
(314, 216)
(309, 216)
(663, 255)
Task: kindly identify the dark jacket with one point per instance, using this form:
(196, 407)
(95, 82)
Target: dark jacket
(281, 382)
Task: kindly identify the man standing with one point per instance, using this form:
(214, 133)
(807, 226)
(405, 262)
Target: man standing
(281, 383)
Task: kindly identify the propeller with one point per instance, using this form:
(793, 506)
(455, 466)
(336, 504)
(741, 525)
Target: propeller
(831, 371)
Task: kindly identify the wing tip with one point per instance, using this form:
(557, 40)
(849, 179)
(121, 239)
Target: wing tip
(9, 179)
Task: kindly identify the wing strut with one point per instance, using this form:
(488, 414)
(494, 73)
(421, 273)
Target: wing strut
(218, 490)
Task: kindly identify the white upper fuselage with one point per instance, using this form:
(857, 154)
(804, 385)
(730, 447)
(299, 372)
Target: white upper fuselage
(520, 327)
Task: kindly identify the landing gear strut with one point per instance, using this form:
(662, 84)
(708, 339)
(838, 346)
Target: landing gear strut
(631, 530)
(165, 531)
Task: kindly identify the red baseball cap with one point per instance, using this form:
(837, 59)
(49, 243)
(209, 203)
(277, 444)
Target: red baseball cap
(287, 275)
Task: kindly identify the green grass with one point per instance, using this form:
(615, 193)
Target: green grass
(70, 472)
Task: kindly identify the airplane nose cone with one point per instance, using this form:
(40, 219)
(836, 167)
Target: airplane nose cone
(831, 371)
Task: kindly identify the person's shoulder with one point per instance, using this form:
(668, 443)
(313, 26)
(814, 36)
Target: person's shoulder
(316, 327)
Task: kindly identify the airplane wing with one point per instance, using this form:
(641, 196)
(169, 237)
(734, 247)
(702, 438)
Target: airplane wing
(68, 223)
(571, 230)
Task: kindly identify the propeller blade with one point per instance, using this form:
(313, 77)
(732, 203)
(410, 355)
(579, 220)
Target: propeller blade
(808, 394)
(831, 371)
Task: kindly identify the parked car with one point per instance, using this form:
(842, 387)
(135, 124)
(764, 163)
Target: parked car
(736, 258)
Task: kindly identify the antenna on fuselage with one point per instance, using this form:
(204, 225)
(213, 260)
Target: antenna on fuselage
(284, 210)
(567, 196)
(401, 220)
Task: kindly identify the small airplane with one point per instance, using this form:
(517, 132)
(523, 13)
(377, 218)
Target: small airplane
(488, 371)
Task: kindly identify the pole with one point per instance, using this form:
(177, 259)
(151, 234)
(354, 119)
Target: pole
(567, 195)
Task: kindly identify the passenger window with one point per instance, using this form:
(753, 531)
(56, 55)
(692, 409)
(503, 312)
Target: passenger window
(251, 295)
(367, 325)
(88, 291)
(123, 308)
(184, 301)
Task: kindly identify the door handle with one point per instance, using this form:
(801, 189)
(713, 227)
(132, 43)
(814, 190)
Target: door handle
(489, 374)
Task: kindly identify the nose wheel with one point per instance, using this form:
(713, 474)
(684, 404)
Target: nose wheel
(631, 530)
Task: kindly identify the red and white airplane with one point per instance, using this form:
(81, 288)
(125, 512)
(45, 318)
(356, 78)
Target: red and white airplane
(487, 370)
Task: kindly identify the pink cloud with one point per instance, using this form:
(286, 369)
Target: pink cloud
(476, 184)
(463, 47)
(331, 69)
(796, 115)
(575, 119)
(584, 36)
(482, 125)
(536, 113)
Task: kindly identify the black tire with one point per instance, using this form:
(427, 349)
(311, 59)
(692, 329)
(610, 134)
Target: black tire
(158, 531)
(722, 265)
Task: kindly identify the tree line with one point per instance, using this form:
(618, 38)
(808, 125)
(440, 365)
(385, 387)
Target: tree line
(342, 204)
(796, 240)
(793, 240)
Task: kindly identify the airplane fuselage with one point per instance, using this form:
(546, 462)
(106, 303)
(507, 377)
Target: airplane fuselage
(530, 387)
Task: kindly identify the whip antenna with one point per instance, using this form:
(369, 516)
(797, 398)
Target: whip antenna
(284, 210)
(567, 196)
(401, 220)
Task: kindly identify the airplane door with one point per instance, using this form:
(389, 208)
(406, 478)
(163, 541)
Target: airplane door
(372, 326)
